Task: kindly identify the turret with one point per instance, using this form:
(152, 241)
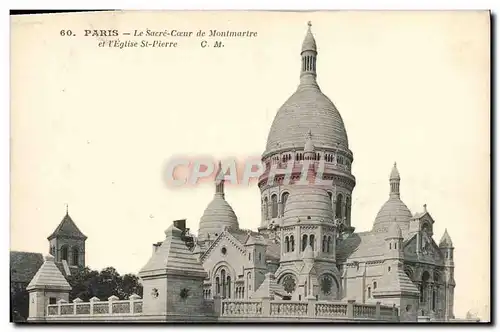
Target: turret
(394, 242)
(394, 181)
(256, 264)
(446, 247)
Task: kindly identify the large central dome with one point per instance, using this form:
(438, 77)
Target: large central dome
(307, 109)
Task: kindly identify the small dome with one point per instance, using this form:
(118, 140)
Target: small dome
(446, 240)
(394, 210)
(218, 215)
(308, 203)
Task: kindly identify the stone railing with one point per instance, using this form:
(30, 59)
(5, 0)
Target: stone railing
(311, 309)
(114, 306)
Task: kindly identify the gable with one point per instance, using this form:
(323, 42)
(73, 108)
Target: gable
(224, 236)
(429, 250)
(226, 250)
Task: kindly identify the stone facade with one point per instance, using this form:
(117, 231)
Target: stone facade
(305, 262)
(306, 236)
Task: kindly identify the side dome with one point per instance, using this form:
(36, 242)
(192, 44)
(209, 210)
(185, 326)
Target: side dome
(217, 216)
(394, 210)
(308, 204)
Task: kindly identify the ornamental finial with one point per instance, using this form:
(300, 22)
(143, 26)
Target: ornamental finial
(309, 23)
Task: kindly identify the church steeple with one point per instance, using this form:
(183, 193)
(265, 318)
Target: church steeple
(309, 54)
(394, 181)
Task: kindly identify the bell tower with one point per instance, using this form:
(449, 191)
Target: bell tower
(67, 243)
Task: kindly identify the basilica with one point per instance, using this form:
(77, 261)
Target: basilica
(306, 245)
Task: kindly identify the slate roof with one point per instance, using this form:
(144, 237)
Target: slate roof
(49, 276)
(67, 228)
(362, 245)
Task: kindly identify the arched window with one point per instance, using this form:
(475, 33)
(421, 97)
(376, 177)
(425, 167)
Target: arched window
(433, 299)
(228, 287)
(75, 256)
(223, 279)
(292, 243)
(424, 286)
(217, 285)
(338, 206)
(369, 292)
(348, 208)
(311, 241)
(266, 208)
(374, 285)
(390, 245)
(323, 246)
(64, 253)
(287, 244)
(304, 242)
(274, 206)
(328, 244)
(284, 198)
(249, 256)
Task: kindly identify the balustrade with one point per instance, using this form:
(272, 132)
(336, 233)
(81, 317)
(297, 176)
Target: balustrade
(288, 308)
(331, 309)
(95, 307)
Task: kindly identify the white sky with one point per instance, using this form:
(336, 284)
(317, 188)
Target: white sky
(93, 127)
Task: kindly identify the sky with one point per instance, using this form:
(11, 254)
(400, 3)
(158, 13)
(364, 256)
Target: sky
(94, 127)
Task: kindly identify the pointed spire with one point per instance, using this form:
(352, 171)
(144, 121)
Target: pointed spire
(394, 180)
(219, 181)
(446, 240)
(67, 209)
(309, 54)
